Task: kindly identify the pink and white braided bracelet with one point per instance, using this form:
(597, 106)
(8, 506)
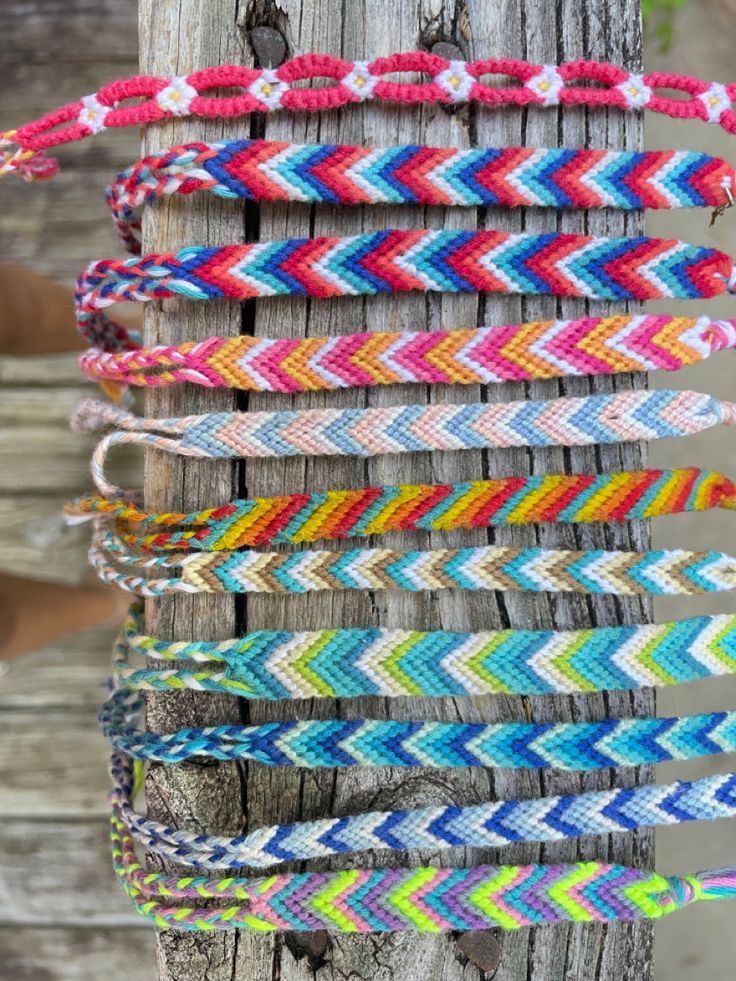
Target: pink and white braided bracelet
(452, 82)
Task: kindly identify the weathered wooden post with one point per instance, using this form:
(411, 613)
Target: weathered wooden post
(178, 36)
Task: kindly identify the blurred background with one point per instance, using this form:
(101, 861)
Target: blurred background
(62, 915)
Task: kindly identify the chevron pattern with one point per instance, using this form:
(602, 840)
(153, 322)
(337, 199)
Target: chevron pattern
(516, 352)
(392, 261)
(364, 432)
(297, 518)
(370, 742)
(489, 825)
(659, 572)
(283, 664)
(262, 170)
(423, 900)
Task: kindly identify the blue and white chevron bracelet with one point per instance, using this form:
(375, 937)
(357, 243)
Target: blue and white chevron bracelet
(487, 825)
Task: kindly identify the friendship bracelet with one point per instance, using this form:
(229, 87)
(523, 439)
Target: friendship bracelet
(488, 825)
(387, 742)
(263, 170)
(284, 664)
(391, 261)
(530, 499)
(661, 572)
(423, 900)
(452, 82)
(479, 356)
(364, 432)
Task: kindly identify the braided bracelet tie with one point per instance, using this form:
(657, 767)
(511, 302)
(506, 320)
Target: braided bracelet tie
(397, 261)
(661, 572)
(423, 900)
(283, 664)
(380, 742)
(488, 825)
(262, 170)
(297, 518)
(450, 82)
(579, 421)
(518, 352)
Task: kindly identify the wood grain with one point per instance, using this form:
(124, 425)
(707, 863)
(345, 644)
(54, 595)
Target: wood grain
(57, 767)
(60, 859)
(176, 36)
(76, 954)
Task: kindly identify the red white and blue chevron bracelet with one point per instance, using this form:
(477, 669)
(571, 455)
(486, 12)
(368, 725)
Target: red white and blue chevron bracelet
(263, 170)
(452, 82)
(391, 261)
(571, 421)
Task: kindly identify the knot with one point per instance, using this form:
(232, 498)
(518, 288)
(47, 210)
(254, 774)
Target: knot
(32, 165)
(727, 412)
(91, 415)
(721, 335)
(684, 889)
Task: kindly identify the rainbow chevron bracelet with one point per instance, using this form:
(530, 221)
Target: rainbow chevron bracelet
(263, 170)
(516, 352)
(297, 518)
(487, 825)
(423, 900)
(450, 82)
(391, 261)
(364, 432)
(662, 572)
(284, 664)
(387, 742)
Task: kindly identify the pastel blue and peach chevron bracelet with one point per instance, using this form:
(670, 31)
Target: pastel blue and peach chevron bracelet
(573, 421)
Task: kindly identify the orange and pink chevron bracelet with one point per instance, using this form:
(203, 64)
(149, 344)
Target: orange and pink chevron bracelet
(515, 352)
(449, 82)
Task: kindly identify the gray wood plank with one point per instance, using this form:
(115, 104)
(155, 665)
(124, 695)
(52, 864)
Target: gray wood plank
(53, 765)
(76, 954)
(35, 540)
(69, 864)
(69, 675)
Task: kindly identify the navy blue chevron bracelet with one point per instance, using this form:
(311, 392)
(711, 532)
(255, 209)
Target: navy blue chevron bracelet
(284, 664)
(263, 170)
(373, 742)
(487, 825)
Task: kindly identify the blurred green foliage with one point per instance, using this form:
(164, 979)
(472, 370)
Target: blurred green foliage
(659, 20)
